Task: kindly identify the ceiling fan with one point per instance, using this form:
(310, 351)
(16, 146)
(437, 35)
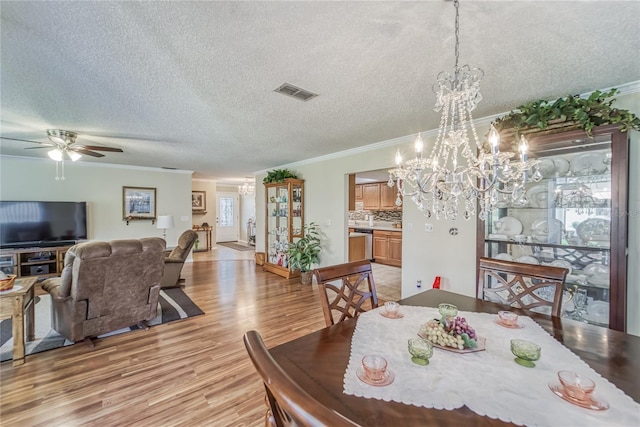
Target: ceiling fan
(64, 141)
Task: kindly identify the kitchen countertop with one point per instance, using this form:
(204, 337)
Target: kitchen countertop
(381, 226)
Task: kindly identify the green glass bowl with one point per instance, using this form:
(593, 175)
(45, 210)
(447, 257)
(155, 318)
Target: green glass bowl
(447, 310)
(526, 352)
(421, 351)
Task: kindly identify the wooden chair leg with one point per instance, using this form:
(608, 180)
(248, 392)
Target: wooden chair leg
(90, 343)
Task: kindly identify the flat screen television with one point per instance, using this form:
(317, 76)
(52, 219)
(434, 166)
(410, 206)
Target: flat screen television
(25, 224)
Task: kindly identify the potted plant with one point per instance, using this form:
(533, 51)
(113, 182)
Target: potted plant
(305, 252)
(279, 175)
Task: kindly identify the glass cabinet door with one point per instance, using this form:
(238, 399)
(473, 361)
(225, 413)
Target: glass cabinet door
(285, 221)
(573, 217)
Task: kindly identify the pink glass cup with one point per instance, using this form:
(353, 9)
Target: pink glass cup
(392, 307)
(508, 318)
(576, 386)
(374, 367)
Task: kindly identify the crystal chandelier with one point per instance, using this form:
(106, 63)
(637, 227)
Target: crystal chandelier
(455, 176)
(246, 189)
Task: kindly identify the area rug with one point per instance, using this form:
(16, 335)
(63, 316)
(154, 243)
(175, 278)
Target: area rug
(173, 304)
(236, 246)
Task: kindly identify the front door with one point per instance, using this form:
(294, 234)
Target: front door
(227, 218)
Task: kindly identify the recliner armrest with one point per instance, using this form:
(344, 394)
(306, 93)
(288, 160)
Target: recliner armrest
(173, 260)
(52, 287)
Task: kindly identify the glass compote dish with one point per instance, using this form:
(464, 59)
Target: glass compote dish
(421, 351)
(447, 311)
(526, 352)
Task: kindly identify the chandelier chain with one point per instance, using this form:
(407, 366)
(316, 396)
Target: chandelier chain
(457, 5)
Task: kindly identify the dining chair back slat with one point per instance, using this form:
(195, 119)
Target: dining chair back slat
(347, 290)
(289, 404)
(522, 285)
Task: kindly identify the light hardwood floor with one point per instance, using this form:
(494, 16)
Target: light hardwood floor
(187, 373)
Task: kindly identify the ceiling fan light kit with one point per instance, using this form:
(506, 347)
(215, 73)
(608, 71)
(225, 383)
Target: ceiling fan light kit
(64, 141)
(59, 136)
(55, 154)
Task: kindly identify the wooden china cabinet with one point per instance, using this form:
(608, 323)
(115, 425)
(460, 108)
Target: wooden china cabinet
(284, 223)
(575, 217)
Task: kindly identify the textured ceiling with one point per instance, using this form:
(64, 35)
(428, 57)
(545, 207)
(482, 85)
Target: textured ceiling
(189, 85)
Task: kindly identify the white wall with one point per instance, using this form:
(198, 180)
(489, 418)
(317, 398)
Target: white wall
(426, 255)
(247, 210)
(101, 187)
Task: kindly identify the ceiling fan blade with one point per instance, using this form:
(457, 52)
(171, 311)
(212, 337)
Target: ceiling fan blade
(36, 148)
(103, 148)
(25, 140)
(88, 153)
(112, 135)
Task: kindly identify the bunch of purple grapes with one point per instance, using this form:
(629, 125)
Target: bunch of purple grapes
(460, 326)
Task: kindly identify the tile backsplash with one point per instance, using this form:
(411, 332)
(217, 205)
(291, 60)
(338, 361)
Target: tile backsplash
(387, 216)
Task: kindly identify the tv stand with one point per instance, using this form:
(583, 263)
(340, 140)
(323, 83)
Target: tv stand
(40, 261)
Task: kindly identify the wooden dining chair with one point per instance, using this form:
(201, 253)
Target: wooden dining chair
(526, 286)
(351, 288)
(288, 403)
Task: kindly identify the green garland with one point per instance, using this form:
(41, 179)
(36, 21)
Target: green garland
(584, 113)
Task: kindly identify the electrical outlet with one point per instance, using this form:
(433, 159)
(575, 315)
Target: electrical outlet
(184, 218)
(428, 227)
(419, 284)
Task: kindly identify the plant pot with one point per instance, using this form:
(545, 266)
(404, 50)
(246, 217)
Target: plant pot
(306, 277)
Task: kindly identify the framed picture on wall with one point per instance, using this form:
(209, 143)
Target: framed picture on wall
(138, 203)
(198, 201)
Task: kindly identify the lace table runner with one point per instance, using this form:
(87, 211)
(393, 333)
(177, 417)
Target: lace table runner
(488, 382)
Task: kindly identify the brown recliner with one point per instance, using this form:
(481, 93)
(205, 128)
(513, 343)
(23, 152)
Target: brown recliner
(106, 286)
(175, 260)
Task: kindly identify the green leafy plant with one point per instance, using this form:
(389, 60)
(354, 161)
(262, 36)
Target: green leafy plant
(279, 175)
(584, 113)
(306, 251)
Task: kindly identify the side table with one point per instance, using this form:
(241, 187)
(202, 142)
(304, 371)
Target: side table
(13, 305)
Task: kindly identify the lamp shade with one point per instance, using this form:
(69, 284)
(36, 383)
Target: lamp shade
(165, 221)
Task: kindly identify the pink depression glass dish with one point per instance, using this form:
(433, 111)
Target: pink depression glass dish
(576, 386)
(392, 308)
(374, 367)
(508, 318)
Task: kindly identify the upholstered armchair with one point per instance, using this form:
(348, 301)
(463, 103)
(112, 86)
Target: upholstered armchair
(106, 286)
(174, 261)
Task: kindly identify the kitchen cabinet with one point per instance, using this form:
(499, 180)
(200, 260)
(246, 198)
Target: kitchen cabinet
(379, 196)
(352, 192)
(387, 247)
(371, 196)
(388, 196)
(575, 217)
(358, 193)
(356, 248)
(284, 223)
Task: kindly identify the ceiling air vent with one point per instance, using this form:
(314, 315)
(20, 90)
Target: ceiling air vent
(295, 92)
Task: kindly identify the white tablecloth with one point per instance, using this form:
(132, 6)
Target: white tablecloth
(488, 382)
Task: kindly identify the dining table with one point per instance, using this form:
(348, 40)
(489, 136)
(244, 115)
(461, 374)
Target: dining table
(318, 361)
